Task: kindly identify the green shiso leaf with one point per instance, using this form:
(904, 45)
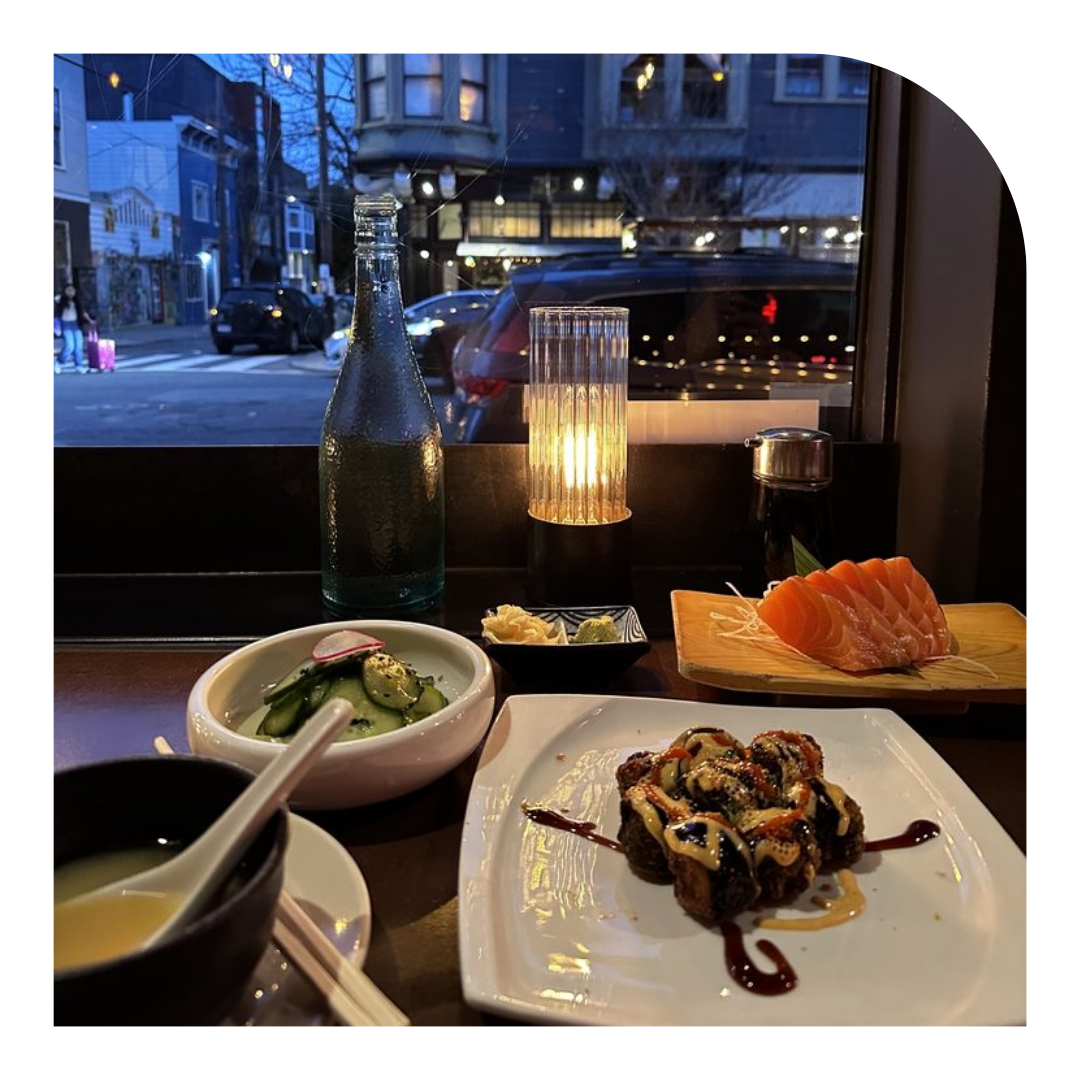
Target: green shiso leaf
(805, 563)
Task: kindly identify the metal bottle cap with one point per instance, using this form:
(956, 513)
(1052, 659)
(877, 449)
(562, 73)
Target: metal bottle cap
(793, 455)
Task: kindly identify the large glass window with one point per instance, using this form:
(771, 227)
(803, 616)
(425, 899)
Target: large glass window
(719, 195)
(423, 84)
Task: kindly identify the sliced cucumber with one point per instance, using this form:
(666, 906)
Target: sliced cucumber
(284, 716)
(430, 701)
(389, 682)
(374, 718)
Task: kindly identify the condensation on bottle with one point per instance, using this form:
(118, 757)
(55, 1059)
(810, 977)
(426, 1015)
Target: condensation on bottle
(381, 490)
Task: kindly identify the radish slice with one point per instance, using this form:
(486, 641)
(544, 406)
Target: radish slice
(344, 642)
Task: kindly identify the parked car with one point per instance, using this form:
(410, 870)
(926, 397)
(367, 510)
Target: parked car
(435, 326)
(700, 327)
(272, 317)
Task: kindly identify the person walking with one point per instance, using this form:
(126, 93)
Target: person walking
(73, 321)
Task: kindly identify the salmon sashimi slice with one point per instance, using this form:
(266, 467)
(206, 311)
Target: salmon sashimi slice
(859, 616)
(819, 626)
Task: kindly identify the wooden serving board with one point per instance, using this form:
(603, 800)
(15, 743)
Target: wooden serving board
(992, 635)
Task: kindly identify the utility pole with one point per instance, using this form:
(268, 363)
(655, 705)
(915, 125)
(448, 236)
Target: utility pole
(325, 233)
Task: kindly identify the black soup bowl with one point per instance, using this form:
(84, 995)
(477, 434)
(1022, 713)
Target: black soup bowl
(196, 976)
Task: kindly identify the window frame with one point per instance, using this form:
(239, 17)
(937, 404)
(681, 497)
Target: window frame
(441, 96)
(903, 159)
(368, 80)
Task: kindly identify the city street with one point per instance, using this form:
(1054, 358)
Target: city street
(171, 388)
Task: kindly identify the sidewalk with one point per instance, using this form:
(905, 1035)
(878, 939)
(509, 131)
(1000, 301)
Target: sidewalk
(160, 337)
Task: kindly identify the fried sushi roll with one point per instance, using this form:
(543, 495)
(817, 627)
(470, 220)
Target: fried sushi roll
(787, 756)
(785, 851)
(712, 866)
(838, 822)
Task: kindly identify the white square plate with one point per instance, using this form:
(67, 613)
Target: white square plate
(556, 929)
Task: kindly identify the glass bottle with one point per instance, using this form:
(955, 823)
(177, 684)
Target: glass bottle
(380, 457)
(792, 473)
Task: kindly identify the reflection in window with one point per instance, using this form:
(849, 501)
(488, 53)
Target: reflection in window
(705, 86)
(641, 88)
(58, 135)
(471, 97)
(375, 86)
(854, 79)
(805, 75)
(423, 84)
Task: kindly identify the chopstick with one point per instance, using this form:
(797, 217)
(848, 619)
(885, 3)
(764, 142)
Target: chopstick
(353, 998)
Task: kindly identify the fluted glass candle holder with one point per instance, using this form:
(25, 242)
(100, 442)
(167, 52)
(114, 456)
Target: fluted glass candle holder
(579, 523)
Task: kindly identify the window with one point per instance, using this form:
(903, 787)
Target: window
(200, 201)
(812, 77)
(471, 96)
(641, 89)
(423, 84)
(854, 79)
(805, 76)
(705, 87)
(585, 221)
(514, 220)
(194, 282)
(58, 130)
(375, 86)
(61, 253)
(299, 227)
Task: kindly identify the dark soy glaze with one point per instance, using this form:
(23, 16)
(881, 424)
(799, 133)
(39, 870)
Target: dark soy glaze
(918, 832)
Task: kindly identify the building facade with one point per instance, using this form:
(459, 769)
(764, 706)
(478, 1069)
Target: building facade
(206, 152)
(501, 160)
(71, 182)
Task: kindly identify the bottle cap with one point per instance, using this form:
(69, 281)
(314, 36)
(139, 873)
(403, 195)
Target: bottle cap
(792, 455)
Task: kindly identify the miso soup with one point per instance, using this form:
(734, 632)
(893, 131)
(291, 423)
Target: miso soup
(89, 933)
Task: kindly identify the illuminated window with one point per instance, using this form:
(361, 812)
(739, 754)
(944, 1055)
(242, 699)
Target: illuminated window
(641, 89)
(705, 86)
(513, 220)
(473, 93)
(586, 221)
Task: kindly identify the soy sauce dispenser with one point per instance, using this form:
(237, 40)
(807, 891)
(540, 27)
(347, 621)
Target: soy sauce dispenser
(792, 474)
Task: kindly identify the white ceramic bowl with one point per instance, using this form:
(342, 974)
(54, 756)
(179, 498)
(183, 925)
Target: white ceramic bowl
(359, 771)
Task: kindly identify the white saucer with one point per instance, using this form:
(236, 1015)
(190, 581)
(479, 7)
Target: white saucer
(322, 876)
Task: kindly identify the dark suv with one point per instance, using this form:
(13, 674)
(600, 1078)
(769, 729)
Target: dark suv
(728, 326)
(275, 319)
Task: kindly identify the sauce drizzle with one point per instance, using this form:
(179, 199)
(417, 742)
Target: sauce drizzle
(750, 977)
(918, 832)
(543, 816)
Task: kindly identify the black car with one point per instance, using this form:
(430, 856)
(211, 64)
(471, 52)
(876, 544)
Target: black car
(727, 326)
(272, 317)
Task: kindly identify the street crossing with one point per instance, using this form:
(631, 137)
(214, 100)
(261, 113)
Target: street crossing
(256, 363)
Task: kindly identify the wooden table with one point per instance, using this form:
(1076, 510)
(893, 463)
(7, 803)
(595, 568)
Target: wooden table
(111, 701)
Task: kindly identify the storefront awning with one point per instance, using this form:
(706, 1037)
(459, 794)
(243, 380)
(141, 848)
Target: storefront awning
(810, 195)
(496, 249)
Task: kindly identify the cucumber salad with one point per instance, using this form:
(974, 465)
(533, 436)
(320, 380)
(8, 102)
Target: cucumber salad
(386, 692)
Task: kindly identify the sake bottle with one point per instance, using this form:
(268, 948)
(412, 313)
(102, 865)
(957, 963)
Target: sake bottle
(380, 456)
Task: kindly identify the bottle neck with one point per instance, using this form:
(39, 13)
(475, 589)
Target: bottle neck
(378, 290)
